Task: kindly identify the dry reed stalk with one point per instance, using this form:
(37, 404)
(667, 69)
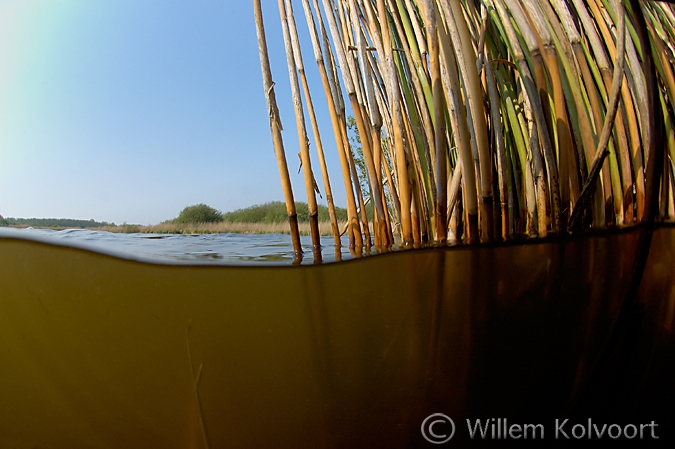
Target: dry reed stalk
(315, 126)
(630, 137)
(664, 67)
(419, 211)
(518, 89)
(598, 65)
(418, 108)
(538, 132)
(667, 211)
(638, 128)
(301, 126)
(392, 83)
(440, 141)
(498, 137)
(655, 128)
(365, 228)
(613, 106)
(370, 127)
(419, 76)
(330, 92)
(600, 49)
(375, 182)
(275, 128)
(567, 162)
(466, 58)
(566, 36)
(460, 127)
(603, 214)
(518, 131)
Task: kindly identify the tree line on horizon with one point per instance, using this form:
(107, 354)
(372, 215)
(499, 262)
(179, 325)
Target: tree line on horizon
(270, 212)
(53, 222)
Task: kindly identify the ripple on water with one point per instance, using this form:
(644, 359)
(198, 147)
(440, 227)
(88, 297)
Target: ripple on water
(220, 249)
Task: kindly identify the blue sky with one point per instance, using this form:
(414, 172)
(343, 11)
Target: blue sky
(130, 110)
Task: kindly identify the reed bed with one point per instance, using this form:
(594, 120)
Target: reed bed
(486, 119)
(304, 228)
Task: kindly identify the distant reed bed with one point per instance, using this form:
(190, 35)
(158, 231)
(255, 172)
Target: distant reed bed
(218, 228)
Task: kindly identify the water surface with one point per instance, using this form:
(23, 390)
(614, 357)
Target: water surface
(220, 249)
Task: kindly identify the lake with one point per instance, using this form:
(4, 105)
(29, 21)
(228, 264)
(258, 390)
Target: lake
(219, 249)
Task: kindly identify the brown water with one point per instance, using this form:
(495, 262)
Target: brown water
(102, 352)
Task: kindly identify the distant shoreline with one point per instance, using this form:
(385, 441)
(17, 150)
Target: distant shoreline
(201, 228)
(223, 227)
(267, 218)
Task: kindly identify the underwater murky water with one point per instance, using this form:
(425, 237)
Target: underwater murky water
(340, 355)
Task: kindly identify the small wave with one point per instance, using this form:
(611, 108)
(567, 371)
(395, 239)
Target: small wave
(200, 248)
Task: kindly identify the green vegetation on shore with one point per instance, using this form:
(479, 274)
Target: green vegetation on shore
(200, 218)
(222, 227)
(264, 218)
(199, 213)
(52, 222)
(275, 212)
